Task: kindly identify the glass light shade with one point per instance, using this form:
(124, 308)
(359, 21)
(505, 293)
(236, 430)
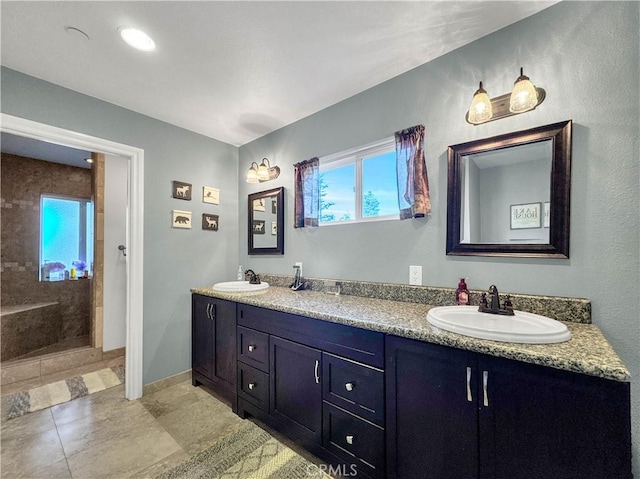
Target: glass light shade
(252, 175)
(480, 109)
(524, 96)
(263, 171)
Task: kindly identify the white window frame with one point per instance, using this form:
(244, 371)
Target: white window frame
(82, 228)
(356, 156)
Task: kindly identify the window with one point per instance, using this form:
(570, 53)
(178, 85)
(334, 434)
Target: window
(66, 236)
(359, 184)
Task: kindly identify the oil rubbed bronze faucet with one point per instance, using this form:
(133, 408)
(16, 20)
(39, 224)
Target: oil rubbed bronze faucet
(253, 278)
(492, 304)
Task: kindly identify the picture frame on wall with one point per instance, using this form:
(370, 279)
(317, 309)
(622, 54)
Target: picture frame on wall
(210, 195)
(210, 222)
(182, 190)
(525, 216)
(181, 219)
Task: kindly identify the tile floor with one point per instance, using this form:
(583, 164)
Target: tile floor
(105, 436)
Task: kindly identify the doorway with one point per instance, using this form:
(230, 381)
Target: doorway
(134, 227)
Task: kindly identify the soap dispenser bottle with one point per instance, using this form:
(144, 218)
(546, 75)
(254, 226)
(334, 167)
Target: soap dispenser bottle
(462, 293)
(240, 273)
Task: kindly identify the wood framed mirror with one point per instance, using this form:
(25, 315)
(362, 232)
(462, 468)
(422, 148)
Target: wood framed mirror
(509, 195)
(266, 222)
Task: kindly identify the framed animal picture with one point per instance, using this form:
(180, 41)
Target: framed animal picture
(182, 191)
(211, 195)
(181, 219)
(258, 227)
(210, 222)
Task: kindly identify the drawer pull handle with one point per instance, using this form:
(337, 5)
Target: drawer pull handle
(251, 348)
(469, 397)
(315, 371)
(349, 439)
(252, 385)
(485, 381)
(349, 386)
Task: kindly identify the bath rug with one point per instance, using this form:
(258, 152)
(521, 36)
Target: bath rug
(249, 453)
(59, 392)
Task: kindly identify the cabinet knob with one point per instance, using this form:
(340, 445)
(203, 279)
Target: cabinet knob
(251, 348)
(349, 386)
(252, 385)
(349, 439)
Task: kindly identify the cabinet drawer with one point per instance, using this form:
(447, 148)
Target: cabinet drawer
(354, 387)
(354, 439)
(253, 348)
(253, 386)
(347, 341)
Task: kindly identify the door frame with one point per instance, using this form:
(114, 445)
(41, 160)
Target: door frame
(135, 227)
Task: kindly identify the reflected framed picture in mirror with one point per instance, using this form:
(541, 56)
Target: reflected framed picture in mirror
(525, 216)
(266, 210)
(526, 173)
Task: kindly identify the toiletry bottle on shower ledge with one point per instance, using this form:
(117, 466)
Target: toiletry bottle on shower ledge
(462, 293)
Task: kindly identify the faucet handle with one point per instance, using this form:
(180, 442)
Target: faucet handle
(508, 305)
(483, 300)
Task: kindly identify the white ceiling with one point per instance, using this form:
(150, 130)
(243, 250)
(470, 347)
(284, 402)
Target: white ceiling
(238, 70)
(40, 150)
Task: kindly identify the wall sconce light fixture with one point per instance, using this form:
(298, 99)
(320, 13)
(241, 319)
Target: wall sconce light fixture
(524, 97)
(263, 172)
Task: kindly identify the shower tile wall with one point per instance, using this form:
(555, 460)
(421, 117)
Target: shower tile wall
(22, 182)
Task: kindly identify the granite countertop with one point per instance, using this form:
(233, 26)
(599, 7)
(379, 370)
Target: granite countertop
(588, 352)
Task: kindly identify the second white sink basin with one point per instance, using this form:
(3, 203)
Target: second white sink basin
(239, 287)
(523, 327)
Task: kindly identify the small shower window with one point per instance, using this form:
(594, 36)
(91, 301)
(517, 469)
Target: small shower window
(66, 237)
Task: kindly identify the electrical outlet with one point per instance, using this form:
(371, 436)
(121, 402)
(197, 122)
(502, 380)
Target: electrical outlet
(299, 264)
(415, 275)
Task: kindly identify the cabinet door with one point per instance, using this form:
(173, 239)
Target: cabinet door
(296, 389)
(432, 417)
(202, 336)
(538, 422)
(224, 337)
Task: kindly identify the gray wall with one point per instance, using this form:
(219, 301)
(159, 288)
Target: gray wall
(585, 55)
(174, 259)
(507, 185)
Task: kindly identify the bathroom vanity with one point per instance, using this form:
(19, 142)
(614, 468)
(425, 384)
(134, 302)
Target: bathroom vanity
(368, 382)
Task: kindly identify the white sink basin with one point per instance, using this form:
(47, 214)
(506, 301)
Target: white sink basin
(522, 328)
(239, 287)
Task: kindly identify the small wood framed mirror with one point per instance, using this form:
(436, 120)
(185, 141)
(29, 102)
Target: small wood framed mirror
(266, 222)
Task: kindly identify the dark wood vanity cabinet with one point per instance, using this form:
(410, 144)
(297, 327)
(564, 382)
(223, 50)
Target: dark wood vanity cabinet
(452, 413)
(296, 391)
(213, 334)
(325, 385)
(384, 406)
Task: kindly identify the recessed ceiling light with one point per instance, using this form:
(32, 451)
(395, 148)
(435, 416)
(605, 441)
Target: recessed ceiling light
(137, 39)
(89, 160)
(76, 32)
